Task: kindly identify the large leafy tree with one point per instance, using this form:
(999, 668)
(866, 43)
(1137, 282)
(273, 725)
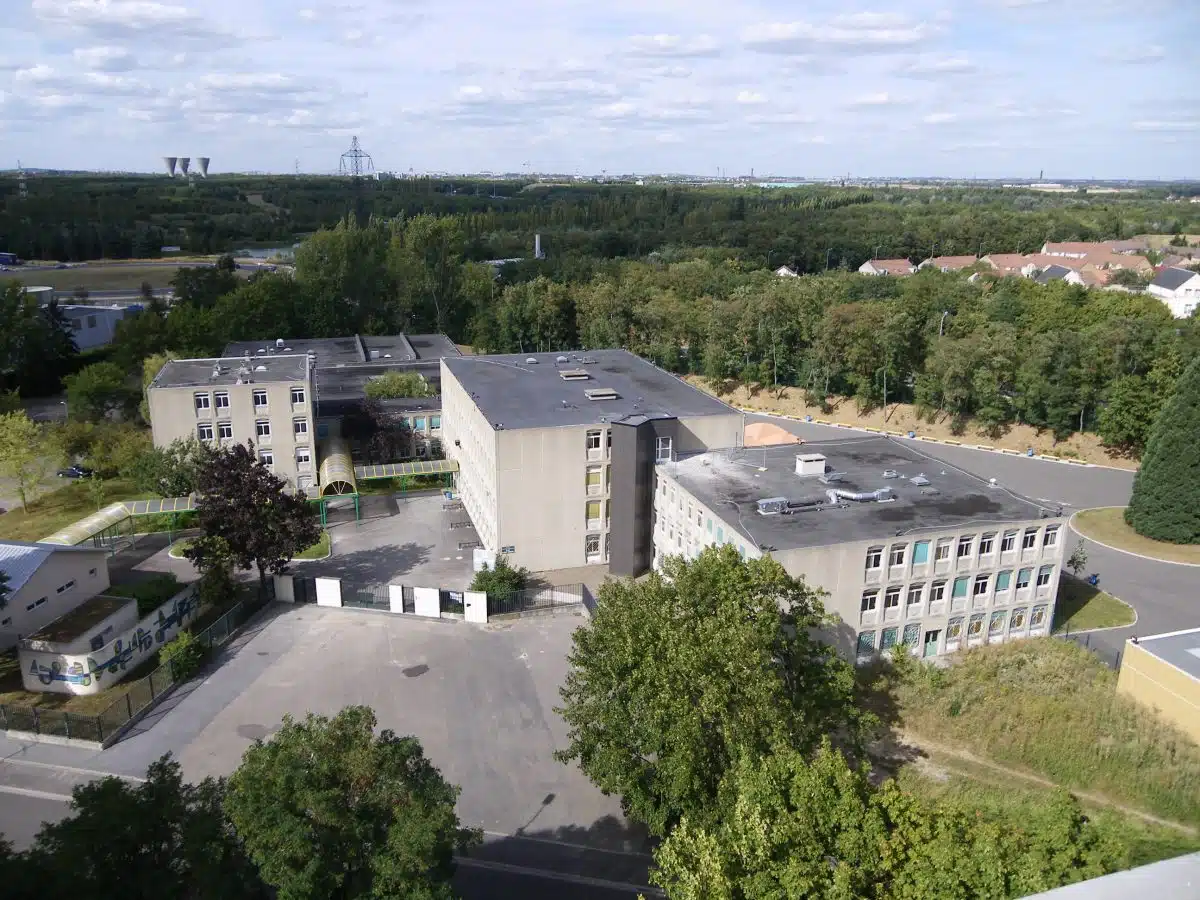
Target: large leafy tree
(171, 471)
(159, 838)
(329, 809)
(245, 511)
(98, 390)
(1166, 492)
(795, 827)
(26, 456)
(678, 674)
(36, 346)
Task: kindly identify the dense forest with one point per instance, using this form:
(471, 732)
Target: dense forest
(810, 228)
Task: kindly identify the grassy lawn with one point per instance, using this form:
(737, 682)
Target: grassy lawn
(150, 594)
(13, 694)
(1107, 526)
(1081, 607)
(1050, 708)
(58, 509)
(319, 550)
(112, 277)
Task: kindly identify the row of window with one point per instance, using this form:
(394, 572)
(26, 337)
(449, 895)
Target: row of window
(999, 620)
(220, 399)
(61, 589)
(262, 430)
(592, 512)
(303, 458)
(897, 554)
(937, 589)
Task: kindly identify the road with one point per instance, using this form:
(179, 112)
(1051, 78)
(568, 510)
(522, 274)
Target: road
(1161, 593)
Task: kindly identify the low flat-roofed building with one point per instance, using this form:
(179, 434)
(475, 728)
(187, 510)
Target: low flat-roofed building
(87, 627)
(556, 451)
(45, 582)
(909, 549)
(1163, 671)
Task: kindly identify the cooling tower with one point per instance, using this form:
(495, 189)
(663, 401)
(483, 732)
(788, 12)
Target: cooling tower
(202, 162)
(184, 162)
(169, 162)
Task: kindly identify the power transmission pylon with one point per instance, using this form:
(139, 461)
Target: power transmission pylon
(356, 162)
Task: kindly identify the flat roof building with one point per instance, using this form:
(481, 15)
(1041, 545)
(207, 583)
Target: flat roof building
(556, 451)
(1163, 671)
(910, 549)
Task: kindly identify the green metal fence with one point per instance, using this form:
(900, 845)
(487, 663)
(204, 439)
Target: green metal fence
(138, 697)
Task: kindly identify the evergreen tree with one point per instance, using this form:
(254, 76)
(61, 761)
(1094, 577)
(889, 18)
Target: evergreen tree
(1166, 492)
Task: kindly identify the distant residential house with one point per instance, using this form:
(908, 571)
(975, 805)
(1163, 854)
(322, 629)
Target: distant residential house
(887, 267)
(786, 272)
(93, 326)
(1006, 263)
(1056, 273)
(1106, 259)
(948, 263)
(1133, 245)
(1179, 289)
(1078, 249)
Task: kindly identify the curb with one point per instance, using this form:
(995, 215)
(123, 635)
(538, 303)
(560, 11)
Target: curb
(1168, 562)
(1071, 634)
(1044, 457)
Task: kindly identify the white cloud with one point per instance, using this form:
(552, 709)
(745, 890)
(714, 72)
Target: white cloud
(861, 33)
(126, 17)
(780, 118)
(671, 45)
(937, 67)
(1133, 56)
(668, 137)
(105, 58)
(666, 72)
(814, 139)
(751, 98)
(941, 118)
(1173, 125)
(879, 98)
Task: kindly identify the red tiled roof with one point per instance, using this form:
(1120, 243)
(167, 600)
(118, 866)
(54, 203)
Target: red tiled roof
(893, 266)
(951, 262)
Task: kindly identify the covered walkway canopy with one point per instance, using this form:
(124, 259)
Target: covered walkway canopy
(337, 470)
(107, 519)
(398, 470)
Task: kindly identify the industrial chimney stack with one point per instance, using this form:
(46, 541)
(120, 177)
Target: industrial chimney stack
(537, 247)
(169, 162)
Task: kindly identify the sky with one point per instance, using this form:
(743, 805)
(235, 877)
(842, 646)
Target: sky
(956, 88)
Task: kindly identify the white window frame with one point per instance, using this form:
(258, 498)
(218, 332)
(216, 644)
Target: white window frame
(266, 399)
(203, 402)
(1029, 539)
(267, 458)
(1050, 536)
(966, 544)
(873, 554)
(664, 449)
(981, 585)
(299, 427)
(891, 597)
(1045, 575)
(306, 461)
(202, 427)
(225, 426)
(1008, 543)
(262, 428)
(297, 396)
(869, 601)
(896, 555)
(987, 544)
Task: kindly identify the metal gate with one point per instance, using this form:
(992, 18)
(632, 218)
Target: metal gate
(304, 590)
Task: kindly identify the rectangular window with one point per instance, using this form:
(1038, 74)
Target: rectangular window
(888, 641)
(222, 399)
(1050, 538)
(1044, 574)
(954, 629)
(303, 457)
(593, 480)
(891, 598)
(943, 550)
(866, 643)
(1003, 581)
(1038, 617)
(1009, 542)
(720, 535)
(911, 634)
(299, 426)
(435, 423)
(975, 627)
(91, 321)
(915, 591)
(869, 600)
(896, 554)
(419, 423)
(960, 587)
(591, 545)
(593, 513)
(937, 591)
(266, 457)
(225, 431)
(1018, 619)
(1023, 577)
(981, 585)
(262, 428)
(662, 449)
(1029, 539)
(297, 395)
(204, 431)
(203, 402)
(260, 399)
(996, 626)
(987, 543)
(708, 527)
(874, 558)
(593, 444)
(920, 553)
(964, 545)
(66, 587)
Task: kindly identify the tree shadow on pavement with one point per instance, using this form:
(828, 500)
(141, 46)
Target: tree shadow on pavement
(385, 564)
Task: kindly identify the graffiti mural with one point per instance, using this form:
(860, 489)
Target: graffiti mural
(93, 673)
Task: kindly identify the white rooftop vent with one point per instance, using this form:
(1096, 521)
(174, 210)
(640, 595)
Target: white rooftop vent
(560, 359)
(374, 354)
(574, 374)
(531, 361)
(919, 480)
(260, 368)
(260, 350)
(387, 356)
(890, 473)
(601, 394)
(810, 464)
(287, 349)
(279, 343)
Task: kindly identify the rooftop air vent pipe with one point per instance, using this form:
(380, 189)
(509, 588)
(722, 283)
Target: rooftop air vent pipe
(879, 496)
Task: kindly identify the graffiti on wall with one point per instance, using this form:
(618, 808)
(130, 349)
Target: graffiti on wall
(91, 674)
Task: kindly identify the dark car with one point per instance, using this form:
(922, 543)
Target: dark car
(75, 472)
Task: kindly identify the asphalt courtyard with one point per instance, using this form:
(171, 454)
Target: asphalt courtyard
(1163, 594)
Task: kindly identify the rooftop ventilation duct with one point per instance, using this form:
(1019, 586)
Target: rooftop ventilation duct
(601, 394)
(918, 480)
(883, 495)
(810, 464)
(574, 375)
(531, 361)
(772, 506)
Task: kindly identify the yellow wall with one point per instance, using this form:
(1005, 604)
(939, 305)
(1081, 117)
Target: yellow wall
(1174, 693)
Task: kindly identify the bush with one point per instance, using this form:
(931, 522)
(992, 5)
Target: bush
(1166, 493)
(500, 579)
(184, 654)
(391, 385)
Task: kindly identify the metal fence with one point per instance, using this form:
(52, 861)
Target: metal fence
(366, 596)
(139, 695)
(535, 599)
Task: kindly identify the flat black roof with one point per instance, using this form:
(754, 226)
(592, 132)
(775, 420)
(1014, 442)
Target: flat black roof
(731, 482)
(1180, 649)
(226, 371)
(354, 350)
(514, 392)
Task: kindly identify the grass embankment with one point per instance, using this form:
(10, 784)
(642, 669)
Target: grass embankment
(1107, 526)
(319, 550)
(1082, 607)
(58, 509)
(1050, 707)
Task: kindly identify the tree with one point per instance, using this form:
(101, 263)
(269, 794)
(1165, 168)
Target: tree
(184, 654)
(328, 809)
(500, 579)
(1165, 504)
(25, 455)
(795, 827)
(394, 384)
(171, 471)
(98, 390)
(36, 346)
(676, 675)
(1078, 559)
(159, 838)
(1125, 420)
(246, 514)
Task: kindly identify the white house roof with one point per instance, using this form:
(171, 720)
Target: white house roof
(20, 559)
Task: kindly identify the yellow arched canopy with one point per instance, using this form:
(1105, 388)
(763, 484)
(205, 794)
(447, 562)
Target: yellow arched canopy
(337, 469)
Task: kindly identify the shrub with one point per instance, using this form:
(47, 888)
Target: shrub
(184, 654)
(391, 385)
(500, 579)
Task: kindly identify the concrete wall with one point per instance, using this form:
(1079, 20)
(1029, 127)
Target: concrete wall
(1160, 685)
(67, 673)
(92, 326)
(173, 415)
(40, 600)
(101, 633)
(469, 439)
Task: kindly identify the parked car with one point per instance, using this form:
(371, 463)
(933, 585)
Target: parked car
(75, 472)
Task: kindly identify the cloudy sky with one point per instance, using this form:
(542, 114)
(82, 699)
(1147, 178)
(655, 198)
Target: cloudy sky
(1078, 88)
